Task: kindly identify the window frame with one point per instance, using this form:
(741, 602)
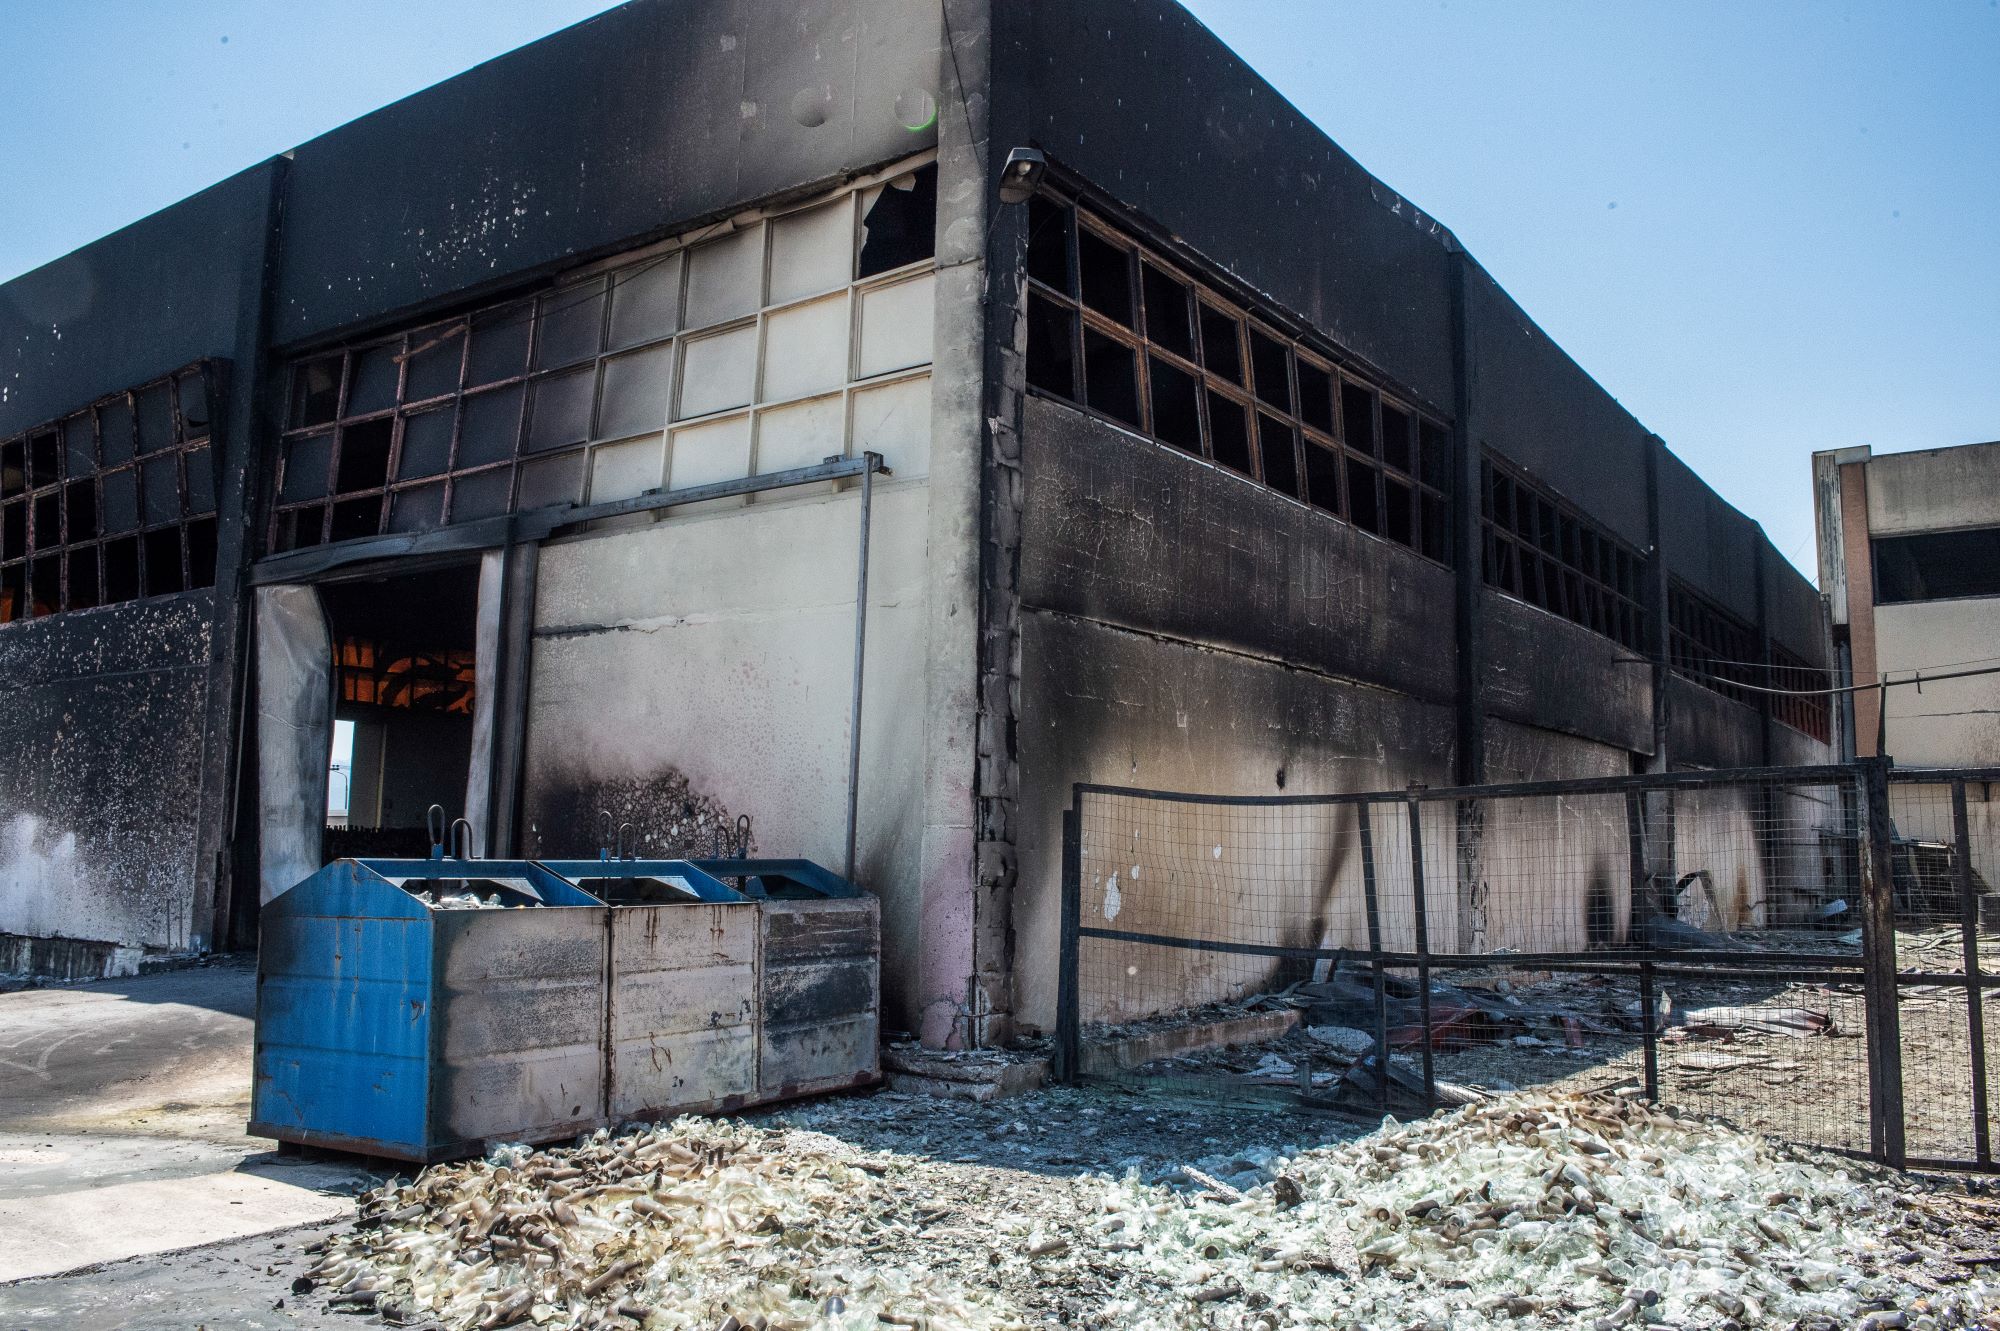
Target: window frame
(194, 525)
(1429, 507)
(1578, 591)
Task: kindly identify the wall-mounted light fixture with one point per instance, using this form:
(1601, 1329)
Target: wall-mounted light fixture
(1021, 174)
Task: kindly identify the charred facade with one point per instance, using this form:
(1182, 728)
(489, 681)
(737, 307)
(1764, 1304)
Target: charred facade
(1215, 466)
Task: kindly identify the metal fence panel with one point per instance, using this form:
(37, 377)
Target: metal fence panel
(1701, 938)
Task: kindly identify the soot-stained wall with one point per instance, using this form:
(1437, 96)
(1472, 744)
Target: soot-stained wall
(656, 113)
(1182, 629)
(1125, 532)
(174, 288)
(101, 716)
(1539, 409)
(1144, 102)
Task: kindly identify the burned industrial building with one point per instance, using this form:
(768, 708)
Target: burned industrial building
(670, 419)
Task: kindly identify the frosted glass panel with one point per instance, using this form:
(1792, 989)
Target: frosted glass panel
(719, 372)
(635, 392)
(561, 409)
(896, 326)
(805, 349)
(716, 451)
(895, 421)
(812, 251)
(801, 435)
(645, 301)
(725, 277)
(619, 471)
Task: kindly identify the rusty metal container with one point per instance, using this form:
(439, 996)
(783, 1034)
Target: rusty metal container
(682, 1016)
(819, 976)
(392, 1024)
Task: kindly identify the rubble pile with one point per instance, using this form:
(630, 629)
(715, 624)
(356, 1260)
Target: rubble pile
(1530, 1210)
(672, 1227)
(1573, 1211)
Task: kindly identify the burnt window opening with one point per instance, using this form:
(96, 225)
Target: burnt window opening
(82, 496)
(1051, 347)
(1176, 407)
(1270, 368)
(1937, 566)
(1229, 433)
(1277, 450)
(1110, 373)
(606, 382)
(1221, 344)
(899, 225)
(1711, 647)
(1048, 244)
(1104, 275)
(1125, 333)
(1806, 711)
(1169, 313)
(1540, 551)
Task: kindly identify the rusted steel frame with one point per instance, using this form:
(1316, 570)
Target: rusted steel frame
(1372, 900)
(870, 463)
(1416, 808)
(1878, 949)
(1636, 847)
(1068, 980)
(1975, 1002)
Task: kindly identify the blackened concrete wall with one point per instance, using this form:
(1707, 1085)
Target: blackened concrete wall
(101, 734)
(641, 120)
(135, 807)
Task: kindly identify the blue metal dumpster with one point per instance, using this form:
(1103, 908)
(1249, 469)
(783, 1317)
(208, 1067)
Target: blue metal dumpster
(681, 1015)
(393, 1024)
(819, 951)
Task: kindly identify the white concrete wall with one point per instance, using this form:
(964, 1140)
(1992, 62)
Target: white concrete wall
(720, 646)
(1936, 489)
(1948, 723)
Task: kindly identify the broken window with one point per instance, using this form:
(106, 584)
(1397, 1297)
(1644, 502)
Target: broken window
(1220, 384)
(1176, 407)
(1109, 375)
(510, 406)
(1544, 553)
(1275, 449)
(1710, 646)
(899, 223)
(1937, 566)
(96, 508)
(1229, 433)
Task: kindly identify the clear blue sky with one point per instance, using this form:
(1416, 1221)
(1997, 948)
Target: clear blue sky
(1766, 228)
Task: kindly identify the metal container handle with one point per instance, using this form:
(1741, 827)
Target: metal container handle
(434, 821)
(461, 846)
(605, 835)
(619, 851)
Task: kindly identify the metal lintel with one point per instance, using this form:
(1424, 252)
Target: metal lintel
(539, 523)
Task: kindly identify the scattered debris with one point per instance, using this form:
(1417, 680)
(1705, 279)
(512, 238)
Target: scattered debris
(1569, 1210)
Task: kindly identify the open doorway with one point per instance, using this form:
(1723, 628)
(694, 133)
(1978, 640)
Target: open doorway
(404, 704)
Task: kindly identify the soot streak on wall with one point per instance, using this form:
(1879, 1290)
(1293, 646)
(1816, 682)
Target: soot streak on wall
(1183, 629)
(103, 716)
(628, 125)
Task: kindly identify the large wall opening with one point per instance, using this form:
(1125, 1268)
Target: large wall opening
(404, 697)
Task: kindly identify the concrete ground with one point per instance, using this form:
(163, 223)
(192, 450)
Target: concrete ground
(122, 1107)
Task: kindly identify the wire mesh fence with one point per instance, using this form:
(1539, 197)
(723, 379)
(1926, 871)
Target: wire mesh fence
(1697, 937)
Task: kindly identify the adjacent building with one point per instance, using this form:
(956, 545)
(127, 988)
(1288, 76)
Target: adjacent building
(529, 431)
(1909, 559)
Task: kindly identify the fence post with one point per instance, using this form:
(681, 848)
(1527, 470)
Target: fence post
(1878, 954)
(1068, 1068)
(1423, 951)
(1635, 821)
(1975, 997)
(1374, 905)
